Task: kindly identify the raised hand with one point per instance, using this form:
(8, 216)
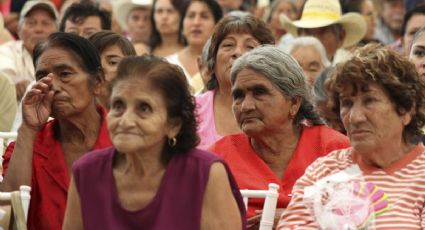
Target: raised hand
(37, 103)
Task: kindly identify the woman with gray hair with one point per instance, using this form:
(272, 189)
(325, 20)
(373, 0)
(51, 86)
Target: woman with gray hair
(282, 134)
(310, 54)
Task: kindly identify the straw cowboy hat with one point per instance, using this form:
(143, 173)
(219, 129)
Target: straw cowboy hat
(123, 7)
(321, 13)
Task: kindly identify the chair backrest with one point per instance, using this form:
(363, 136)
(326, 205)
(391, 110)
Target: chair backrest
(20, 201)
(269, 208)
(5, 138)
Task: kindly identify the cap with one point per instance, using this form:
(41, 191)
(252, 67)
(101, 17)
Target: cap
(43, 4)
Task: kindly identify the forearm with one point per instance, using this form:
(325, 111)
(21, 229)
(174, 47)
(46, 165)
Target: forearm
(19, 170)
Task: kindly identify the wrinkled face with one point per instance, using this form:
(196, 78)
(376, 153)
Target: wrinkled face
(327, 36)
(368, 12)
(85, 28)
(311, 62)
(416, 22)
(393, 12)
(137, 120)
(370, 118)
(36, 27)
(139, 24)
(166, 17)
(73, 90)
(259, 106)
(198, 23)
(417, 55)
(111, 57)
(232, 47)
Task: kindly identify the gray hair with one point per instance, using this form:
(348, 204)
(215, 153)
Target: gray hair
(204, 52)
(415, 37)
(304, 41)
(283, 72)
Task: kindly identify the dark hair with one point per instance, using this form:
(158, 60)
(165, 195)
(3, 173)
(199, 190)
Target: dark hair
(235, 23)
(375, 63)
(170, 80)
(83, 51)
(213, 6)
(351, 6)
(415, 11)
(155, 38)
(103, 39)
(78, 12)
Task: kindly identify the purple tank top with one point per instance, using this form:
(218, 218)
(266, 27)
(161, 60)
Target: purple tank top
(177, 204)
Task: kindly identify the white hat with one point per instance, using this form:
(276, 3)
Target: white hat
(123, 7)
(321, 13)
(45, 4)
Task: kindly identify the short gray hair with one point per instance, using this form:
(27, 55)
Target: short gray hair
(303, 41)
(283, 72)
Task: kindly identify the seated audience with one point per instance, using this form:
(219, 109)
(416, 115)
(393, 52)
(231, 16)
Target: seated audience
(320, 99)
(69, 76)
(152, 177)
(310, 54)
(281, 135)
(413, 21)
(112, 48)
(134, 19)
(367, 10)
(166, 37)
(377, 183)
(37, 21)
(324, 20)
(233, 35)
(85, 19)
(277, 8)
(197, 25)
(390, 20)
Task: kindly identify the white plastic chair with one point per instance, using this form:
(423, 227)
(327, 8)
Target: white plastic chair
(5, 138)
(20, 202)
(269, 208)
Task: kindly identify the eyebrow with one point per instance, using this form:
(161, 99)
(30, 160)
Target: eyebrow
(314, 64)
(43, 71)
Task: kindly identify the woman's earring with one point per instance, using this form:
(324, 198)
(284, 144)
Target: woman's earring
(172, 141)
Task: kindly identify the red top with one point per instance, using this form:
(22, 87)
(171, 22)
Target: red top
(50, 178)
(251, 172)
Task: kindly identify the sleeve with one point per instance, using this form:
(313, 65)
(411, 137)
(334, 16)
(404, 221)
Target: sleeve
(6, 156)
(298, 215)
(8, 104)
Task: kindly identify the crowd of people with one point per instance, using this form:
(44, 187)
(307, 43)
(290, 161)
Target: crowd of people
(154, 114)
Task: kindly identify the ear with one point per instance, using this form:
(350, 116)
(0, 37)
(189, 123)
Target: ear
(174, 127)
(99, 82)
(406, 116)
(295, 105)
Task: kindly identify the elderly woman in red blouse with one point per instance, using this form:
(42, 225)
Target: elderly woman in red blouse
(282, 134)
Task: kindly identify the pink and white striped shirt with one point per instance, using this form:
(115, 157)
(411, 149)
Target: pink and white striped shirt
(403, 182)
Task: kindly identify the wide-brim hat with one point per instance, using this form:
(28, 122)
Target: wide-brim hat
(43, 4)
(123, 7)
(321, 13)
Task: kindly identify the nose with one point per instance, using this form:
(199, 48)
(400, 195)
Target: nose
(238, 51)
(357, 114)
(247, 104)
(128, 119)
(197, 20)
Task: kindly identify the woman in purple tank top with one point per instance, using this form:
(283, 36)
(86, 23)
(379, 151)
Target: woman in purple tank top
(152, 177)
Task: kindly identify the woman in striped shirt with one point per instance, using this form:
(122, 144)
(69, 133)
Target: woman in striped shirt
(378, 183)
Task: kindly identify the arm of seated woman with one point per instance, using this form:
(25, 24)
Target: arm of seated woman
(73, 219)
(219, 209)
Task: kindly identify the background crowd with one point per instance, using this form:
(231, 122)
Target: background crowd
(155, 113)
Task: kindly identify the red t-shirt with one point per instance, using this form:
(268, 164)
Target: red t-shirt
(251, 172)
(50, 178)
